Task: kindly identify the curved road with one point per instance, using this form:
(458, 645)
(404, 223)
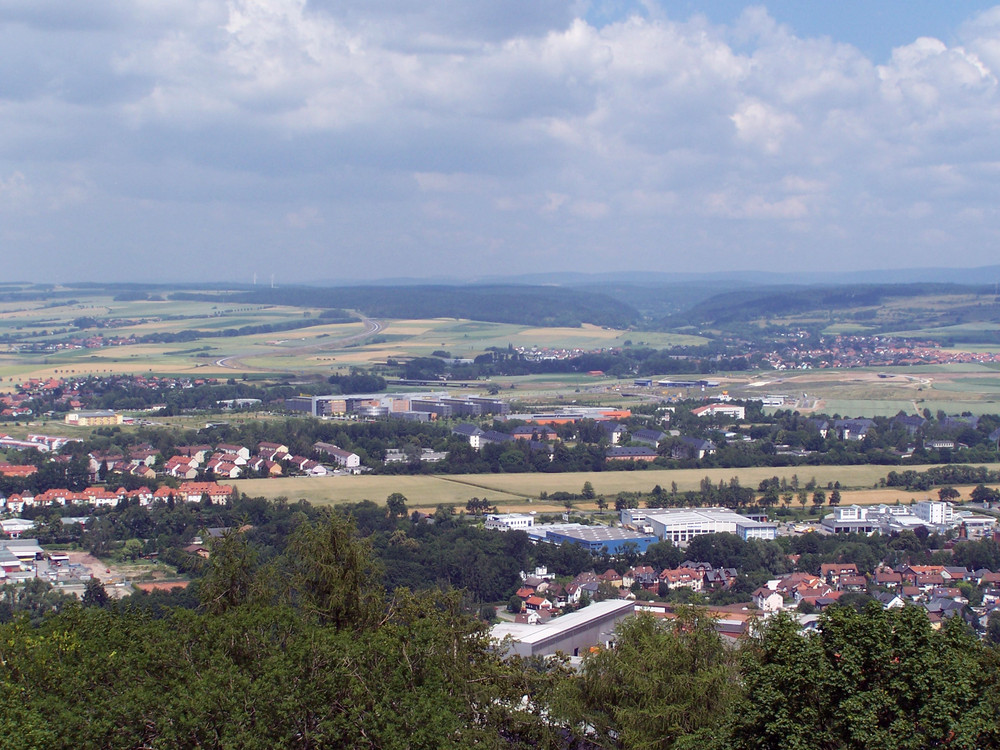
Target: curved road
(235, 361)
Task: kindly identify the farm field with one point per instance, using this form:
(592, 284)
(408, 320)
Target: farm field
(326, 349)
(969, 387)
(892, 495)
(427, 491)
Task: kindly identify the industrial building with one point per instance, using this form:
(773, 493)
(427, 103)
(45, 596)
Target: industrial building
(593, 538)
(933, 515)
(573, 634)
(419, 406)
(681, 525)
(509, 521)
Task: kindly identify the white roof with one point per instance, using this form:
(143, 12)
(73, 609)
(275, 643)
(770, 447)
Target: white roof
(532, 634)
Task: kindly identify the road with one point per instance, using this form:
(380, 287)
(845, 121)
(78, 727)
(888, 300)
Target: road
(235, 361)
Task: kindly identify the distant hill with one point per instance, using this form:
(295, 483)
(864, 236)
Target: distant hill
(879, 307)
(529, 305)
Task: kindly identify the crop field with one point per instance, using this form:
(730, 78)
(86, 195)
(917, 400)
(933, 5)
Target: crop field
(504, 490)
(325, 349)
(892, 495)
(315, 349)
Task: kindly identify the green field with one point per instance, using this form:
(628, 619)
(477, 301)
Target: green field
(509, 490)
(322, 350)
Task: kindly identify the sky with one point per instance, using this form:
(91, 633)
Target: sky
(342, 140)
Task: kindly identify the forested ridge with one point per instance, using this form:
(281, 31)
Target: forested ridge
(532, 305)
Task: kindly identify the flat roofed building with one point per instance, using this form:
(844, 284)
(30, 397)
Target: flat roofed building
(726, 410)
(573, 634)
(934, 511)
(93, 418)
(602, 538)
(509, 521)
(23, 549)
(680, 525)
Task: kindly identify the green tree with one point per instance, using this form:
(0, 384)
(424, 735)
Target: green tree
(947, 494)
(332, 575)
(94, 594)
(395, 505)
(983, 494)
(872, 679)
(664, 681)
(230, 579)
(587, 493)
(803, 496)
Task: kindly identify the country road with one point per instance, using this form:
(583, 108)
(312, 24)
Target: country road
(235, 361)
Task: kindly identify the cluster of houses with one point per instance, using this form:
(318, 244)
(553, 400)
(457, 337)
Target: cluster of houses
(37, 394)
(542, 597)
(870, 351)
(223, 460)
(97, 497)
(40, 443)
(543, 625)
(935, 588)
(234, 461)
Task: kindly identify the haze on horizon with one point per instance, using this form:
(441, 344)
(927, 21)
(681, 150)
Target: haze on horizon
(187, 140)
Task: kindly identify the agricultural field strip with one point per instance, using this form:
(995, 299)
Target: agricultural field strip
(428, 490)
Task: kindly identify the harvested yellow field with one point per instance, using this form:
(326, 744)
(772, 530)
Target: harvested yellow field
(516, 489)
(420, 491)
(892, 495)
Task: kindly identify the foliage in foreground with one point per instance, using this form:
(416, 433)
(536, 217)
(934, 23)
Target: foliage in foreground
(306, 649)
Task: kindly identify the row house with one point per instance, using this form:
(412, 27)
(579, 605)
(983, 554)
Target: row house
(181, 467)
(229, 458)
(681, 578)
(222, 468)
(194, 491)
(833, 572)
(272, 448)
(344, 458)
(198, 452)
(239, 450)
(20, 472)
(259, 464)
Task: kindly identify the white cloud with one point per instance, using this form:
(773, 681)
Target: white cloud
(408, 130)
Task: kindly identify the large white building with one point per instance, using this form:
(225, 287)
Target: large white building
(681, 525)
(573, 634)
(934, 511)
(509, 521)
(725, 410)
(932, 515)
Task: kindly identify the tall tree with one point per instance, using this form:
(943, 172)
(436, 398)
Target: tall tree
(664, 680)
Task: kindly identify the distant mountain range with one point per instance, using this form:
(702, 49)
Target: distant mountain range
(732, 279)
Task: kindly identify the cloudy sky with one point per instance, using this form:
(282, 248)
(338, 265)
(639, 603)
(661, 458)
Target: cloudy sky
(346, 139)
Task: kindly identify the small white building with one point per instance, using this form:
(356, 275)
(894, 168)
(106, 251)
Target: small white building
(344, 458)
(725, 410)
(509, 521)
